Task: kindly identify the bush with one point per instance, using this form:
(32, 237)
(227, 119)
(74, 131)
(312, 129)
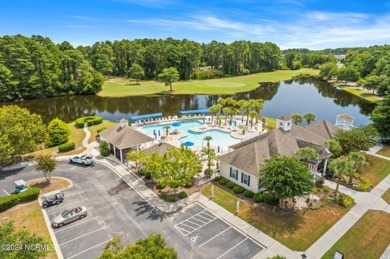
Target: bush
(29, 195)
(270, 199)
(58, 132)
(189, 184)
(171, 199)
(314, 190)
(258, 197)
(8, 202)
(90, 120)
(238, 189)
(66, 147)
(326, 189)
(208, 172)
(182, 195)
(345, 200)
(230, 185)
(223, 181)
(319, 182)
(217, 178)
(248, 194)
(101, 129)
(163, 196)
(104, 148)
(365, 186)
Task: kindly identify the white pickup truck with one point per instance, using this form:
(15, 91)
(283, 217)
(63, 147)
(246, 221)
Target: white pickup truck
(82, 160)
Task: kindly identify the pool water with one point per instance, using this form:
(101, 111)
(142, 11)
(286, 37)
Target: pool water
(220, 138)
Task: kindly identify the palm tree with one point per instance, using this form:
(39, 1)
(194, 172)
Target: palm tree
(208, 139)
(306, 154)
(341, 167)
(309, 117)
(244, 108)
(257, 105)
(226, 111)
(167, 127)
(359, 160)
(252, 115)
(210, 154)
(297, 118)
(214, 110)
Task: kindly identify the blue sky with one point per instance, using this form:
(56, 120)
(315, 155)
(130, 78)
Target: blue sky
(313, 24)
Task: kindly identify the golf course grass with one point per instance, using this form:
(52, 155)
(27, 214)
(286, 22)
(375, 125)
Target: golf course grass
(120, 87)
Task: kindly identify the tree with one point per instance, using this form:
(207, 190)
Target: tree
(215, 110)
(359, 160)
(252, 115)
(381, 117)
(137, 72)
(175, 168)
(23, 239)
(167, 127)
(285, 177)
(58, 132)
(341, 167)
(347, 74)
(328, 70)
(210, 155)
(371, 82)
(20, 132)
(334, 147)
(168, 76)
(208, 139)
(309, 117)
(151, 247)
(306, 154)
(297, 118)
(46, 164)
(356, 139)
(138, 158)
(104, 148)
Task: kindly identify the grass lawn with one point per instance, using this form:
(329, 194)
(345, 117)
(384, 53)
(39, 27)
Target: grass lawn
(386, 196)
(118, 87)
(29, 216)
(363, 93)
(376, 170)
(93, 129)
(385, 151)
(298, 231)
(368, 238)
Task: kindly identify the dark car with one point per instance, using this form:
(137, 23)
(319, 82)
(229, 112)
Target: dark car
(52, 198)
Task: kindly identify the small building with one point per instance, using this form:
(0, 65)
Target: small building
(122, 139)
(159, 148)
(345, 121)
(242, 165)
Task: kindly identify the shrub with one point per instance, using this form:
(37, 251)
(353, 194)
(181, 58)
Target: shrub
(217, 178)
(66, 147)
(171, 199)
(163, 196)
(101, 129)
(58, 132)
(270, 199)
(230, 185)
(189, 184)
(314, 190)
(365, 186)
(29, 195)
(248, 194)
(182, 195)
(258, 197)
(90, 120)
(326, 189)
(223, 181)
(104, 148)
(208, 172)
(238, 189)
(319, 182)
(8, 202)
(345, 200)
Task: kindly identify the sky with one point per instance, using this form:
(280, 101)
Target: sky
(312, 24)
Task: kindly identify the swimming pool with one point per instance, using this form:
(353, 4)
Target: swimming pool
(220, 138)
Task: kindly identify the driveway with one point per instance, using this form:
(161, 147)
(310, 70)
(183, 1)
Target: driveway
(115, 209)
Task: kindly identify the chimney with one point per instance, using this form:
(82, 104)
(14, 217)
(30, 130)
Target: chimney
(284, 122)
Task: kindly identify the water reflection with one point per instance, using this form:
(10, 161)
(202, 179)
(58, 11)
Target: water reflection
(298, 95)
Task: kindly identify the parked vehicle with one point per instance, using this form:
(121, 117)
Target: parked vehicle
(69, 216)
(82, 160)
(20, 186)
(52, 198)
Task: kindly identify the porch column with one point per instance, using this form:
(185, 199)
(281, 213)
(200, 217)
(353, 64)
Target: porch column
(114, 150)
(325, 165)
(121, 155)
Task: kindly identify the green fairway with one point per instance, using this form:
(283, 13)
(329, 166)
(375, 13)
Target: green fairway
(119, 87)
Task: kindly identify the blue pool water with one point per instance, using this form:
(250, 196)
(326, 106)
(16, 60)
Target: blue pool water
(220, 138)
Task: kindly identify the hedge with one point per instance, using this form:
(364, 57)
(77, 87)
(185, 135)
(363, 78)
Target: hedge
(90, 120)
(8, 202)
(29, 195)
(238, 189)
(66, 147)
(101, 129)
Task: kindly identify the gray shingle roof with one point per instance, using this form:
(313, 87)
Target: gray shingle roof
(160, 148)
(124, 137)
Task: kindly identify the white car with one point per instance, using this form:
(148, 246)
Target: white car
(82, 160)
(69, 216)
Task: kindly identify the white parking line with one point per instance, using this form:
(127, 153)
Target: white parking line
(81, 236)
(194, 220)
(191, 216)
(191, 222)
(201, 226)
(6, 192)
(86, 250)
(74, 225)
(214, 237)
(233, 247)
(203, 217)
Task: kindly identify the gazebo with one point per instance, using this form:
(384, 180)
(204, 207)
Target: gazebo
(344, 121)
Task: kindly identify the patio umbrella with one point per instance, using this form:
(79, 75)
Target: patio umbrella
(188, 144)
(175, 124)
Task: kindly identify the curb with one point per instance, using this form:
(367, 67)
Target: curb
(52, 235)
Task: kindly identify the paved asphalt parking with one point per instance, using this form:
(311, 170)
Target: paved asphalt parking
(115, 209)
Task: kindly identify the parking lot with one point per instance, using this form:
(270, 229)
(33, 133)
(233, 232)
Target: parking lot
(213, 237)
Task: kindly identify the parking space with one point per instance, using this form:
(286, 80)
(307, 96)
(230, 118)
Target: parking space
(212, 237)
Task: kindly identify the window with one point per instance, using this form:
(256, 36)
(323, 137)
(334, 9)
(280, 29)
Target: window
(233, 173)
(281, 124)
(245, 179)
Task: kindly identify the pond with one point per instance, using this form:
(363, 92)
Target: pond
(293, 96)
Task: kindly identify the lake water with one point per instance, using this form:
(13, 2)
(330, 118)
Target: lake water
(292, 96)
